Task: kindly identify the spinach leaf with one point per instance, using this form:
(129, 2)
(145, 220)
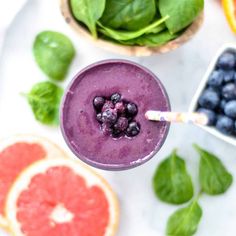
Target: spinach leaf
(214, 178)
(152, 40)
(185, 221)
(44, 99)
(157, 29)
(182, 12)
(128, 14)
(127, 35)
(171, 182)
(54, 53)
(88, 12)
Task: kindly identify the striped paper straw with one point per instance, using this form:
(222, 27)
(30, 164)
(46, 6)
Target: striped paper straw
(178, 117)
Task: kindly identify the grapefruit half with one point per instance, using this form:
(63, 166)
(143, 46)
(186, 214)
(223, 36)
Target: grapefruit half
(61, 197)
(17, 153)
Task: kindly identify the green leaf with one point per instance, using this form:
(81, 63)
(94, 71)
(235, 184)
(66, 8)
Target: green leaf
(44, 99)
(128, 14)
(185, 221)
(88, 12)
(182, 12)
(171, 181)
(214, 178)
(152, 40)
(54, 53)
(127, 35)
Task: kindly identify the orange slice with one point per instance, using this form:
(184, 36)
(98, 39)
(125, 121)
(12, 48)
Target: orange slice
(61, 197)
(230, 12)
(17, 153)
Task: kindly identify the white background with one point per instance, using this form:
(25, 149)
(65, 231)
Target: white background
(180, 71)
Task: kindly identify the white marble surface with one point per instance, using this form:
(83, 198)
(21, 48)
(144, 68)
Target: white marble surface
(180, 71)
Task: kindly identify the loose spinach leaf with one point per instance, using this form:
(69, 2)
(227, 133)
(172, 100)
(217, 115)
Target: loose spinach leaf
(54, 53)
(88, 12)
(185, 221)
(171, 182)
(44, 99)
(152, 40)
(127, 35)
(214, 178)
(130, 15)
(182, 12)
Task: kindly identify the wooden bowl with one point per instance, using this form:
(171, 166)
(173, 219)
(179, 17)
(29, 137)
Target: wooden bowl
(129, 50)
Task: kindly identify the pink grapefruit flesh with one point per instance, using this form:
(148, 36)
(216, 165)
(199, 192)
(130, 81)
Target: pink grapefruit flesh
(13, 160)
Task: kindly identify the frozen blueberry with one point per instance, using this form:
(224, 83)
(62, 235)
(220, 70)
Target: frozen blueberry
(133, 129)
(228, 76)
(226, 61)
(116, 133)
(107, 105)
(99, 117)
(216, 79)
(98, 103)
(225, 125)
(116, 97)
(209, 99)
(131, 109)
(121, 124)
(210, 114)
(106, 129)
(109, 116)
(230, 109)
(229, 91)
(120, 107)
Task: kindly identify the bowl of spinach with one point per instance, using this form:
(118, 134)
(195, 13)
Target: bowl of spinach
(135, 27)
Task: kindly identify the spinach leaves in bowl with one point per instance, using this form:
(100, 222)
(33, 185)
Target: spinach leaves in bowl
(137, 22)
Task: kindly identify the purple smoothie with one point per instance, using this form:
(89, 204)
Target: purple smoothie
(82, 131)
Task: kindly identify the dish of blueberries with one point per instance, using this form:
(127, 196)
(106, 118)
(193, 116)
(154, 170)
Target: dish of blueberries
(216, 96)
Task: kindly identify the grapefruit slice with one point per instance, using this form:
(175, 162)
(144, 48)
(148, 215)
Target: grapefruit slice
(61, 197)
(17, 153)
(230, 12)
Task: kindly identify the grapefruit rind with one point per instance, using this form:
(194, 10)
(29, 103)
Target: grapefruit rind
(51, 149)
(42, 166)
(230, 13)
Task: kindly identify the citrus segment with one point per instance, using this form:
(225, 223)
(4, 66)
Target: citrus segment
(15, 155)
(230, 12)
(61, 197)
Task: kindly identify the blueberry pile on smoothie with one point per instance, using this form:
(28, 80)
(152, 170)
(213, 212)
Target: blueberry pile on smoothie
(116, 116)
(103, 115)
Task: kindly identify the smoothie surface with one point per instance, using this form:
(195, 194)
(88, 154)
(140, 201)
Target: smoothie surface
(82, 131)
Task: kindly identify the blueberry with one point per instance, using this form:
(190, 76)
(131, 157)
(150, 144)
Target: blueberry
(120, 107)
(116, 97)
(216, 78)
(222, 104)
(133, 129)
(109, 116)
(98, 103)
(225, 125)
(99, 117)
(210, 114)
(106, 129)
(121, 124)
(226, 61)
(228, 76)
(107, 105)
(230, 109)
(116, 133)
(229, 91)
(132, 109)
(209, 99)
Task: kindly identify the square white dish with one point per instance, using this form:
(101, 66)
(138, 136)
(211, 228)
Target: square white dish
(202, 86)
